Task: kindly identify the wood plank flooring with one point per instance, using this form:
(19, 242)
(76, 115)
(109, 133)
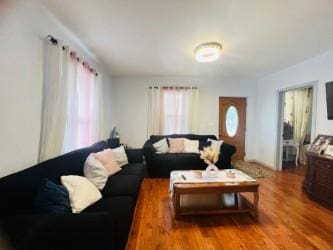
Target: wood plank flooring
(287, 220)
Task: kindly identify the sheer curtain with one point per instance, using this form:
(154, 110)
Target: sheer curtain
(192, 110)
(71, 112)
(173, 110)
(83, 113)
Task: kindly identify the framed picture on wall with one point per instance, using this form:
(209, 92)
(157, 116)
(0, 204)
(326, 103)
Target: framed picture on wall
(321, 143)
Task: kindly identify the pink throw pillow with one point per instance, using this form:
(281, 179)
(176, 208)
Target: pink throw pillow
(108, 160)
(176, 145)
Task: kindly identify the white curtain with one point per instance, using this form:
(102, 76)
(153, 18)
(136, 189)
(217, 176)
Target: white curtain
(302, 108)
(192, 110)
(72, 134)
(154, 104)
(71, 116)
(54, 101)
(173, 110)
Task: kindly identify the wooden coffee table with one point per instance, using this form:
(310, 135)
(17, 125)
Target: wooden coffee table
(215, 198)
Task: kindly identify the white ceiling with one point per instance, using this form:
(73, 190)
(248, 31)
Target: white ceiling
(157, 37)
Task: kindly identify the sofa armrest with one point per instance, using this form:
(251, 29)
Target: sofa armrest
(148, 147)
(149, 152)
(226, 153)
(134, 155)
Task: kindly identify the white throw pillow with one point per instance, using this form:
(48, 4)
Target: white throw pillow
(82, 192)
(161, 146)
(120, 155)
(94, 170)
(191, 146)
(216, 144)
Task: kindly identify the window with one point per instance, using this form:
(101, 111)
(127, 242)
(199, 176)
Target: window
(173, 110)
(173, 119)
(82, 113)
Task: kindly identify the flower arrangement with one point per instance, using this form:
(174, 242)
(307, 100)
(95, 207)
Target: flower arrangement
(209, 155)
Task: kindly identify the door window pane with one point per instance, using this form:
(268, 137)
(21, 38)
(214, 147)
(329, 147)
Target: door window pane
(231, 121)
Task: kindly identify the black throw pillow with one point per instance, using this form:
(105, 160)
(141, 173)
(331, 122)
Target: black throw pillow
(52, 198)
(204, 144)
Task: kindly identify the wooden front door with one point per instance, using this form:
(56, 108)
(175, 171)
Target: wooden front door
(232, 120)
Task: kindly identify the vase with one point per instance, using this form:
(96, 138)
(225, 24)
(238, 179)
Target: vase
(211, 171)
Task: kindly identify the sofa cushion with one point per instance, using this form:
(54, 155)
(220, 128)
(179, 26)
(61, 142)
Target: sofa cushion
(62, 231)
(164, 164)
(16, 227)
(117, 206)
(133, 169)
(121, 209)
(52, 198)
(181, 159)
(122, 185)
(134, 155)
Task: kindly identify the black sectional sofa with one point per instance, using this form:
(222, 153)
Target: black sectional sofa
(160, 165)
(104, 225)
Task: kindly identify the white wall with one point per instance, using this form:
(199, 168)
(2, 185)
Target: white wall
(131, 102)
(319, 69)
(22, 29)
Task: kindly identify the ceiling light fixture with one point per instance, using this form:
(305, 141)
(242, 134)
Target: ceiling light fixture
(208, 52)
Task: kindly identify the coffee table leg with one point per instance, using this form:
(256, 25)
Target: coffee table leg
(236, 199)
(176, 203)
(256, 203)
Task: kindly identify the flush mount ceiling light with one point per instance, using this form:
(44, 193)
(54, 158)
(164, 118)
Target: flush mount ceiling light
(207, 52)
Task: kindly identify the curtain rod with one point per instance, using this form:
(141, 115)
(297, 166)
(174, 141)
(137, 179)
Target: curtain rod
(173, 87)
(54, 41)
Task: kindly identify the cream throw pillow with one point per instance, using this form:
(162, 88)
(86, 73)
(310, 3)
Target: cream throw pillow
(161, 146)
(108, 160)
(82, 192)
(94, 170)
(191, 146)
(216, 144)
(120, 155)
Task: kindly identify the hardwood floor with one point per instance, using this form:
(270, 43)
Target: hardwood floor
(287, 220)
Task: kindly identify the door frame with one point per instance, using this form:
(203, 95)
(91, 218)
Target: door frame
(246, 121)
(280, 111)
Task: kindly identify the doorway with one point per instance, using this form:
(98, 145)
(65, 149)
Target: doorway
(296, 127)
(232, 120)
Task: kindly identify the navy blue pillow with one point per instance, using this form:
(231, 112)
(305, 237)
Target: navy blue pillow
(52, 198)
(204, 144)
